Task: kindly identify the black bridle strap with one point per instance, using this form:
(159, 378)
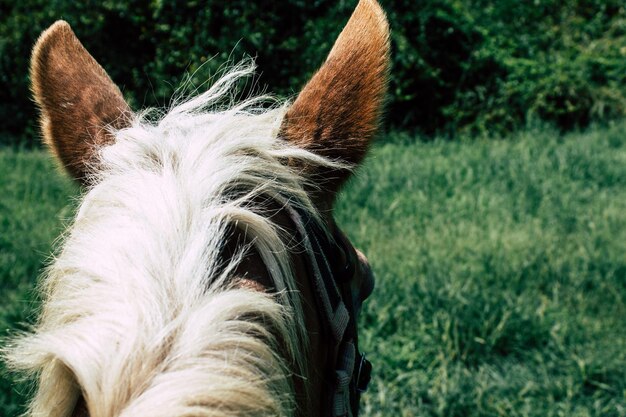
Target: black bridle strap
(338, 319)
(328, 298)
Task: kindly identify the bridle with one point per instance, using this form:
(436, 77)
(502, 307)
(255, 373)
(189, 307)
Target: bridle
(332, 265)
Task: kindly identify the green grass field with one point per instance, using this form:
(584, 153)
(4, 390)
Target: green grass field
(501, 271)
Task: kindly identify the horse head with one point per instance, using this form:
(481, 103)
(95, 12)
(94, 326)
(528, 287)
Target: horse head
(204, 274)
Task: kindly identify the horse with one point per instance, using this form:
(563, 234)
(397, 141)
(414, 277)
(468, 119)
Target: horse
(203, 274)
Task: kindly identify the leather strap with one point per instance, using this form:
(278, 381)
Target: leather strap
(331, 286)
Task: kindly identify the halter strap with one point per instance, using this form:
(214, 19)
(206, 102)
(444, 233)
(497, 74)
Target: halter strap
(351, 373)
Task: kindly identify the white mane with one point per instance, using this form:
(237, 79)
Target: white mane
(138, 314)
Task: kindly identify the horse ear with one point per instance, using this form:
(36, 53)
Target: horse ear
(336, 114)
(79, 103)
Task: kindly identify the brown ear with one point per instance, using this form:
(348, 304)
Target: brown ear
(337, 112)
(77, 99)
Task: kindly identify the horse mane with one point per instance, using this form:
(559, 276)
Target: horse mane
(140, 313)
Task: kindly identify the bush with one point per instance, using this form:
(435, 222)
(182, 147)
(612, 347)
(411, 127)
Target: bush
(458, 65)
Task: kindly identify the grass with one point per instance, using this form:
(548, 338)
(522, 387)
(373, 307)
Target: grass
(34, 200)
(501, 271)
(501, 268)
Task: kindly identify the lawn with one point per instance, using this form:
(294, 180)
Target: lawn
(501, 270)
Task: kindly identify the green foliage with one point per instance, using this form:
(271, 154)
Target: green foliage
(481, 66)
(487, 66)
(501, 276)
(150, 47)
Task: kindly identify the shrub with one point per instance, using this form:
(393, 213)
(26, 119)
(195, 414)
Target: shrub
(458, 65)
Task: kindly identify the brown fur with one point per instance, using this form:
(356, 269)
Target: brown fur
(337, 112)
(78, 100)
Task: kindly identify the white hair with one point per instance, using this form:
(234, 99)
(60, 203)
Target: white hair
(140, 315)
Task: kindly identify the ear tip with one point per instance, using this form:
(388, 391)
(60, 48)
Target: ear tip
(59, 25)
(375, 10)
(370, 28)
(59, 31)
(374, 7)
